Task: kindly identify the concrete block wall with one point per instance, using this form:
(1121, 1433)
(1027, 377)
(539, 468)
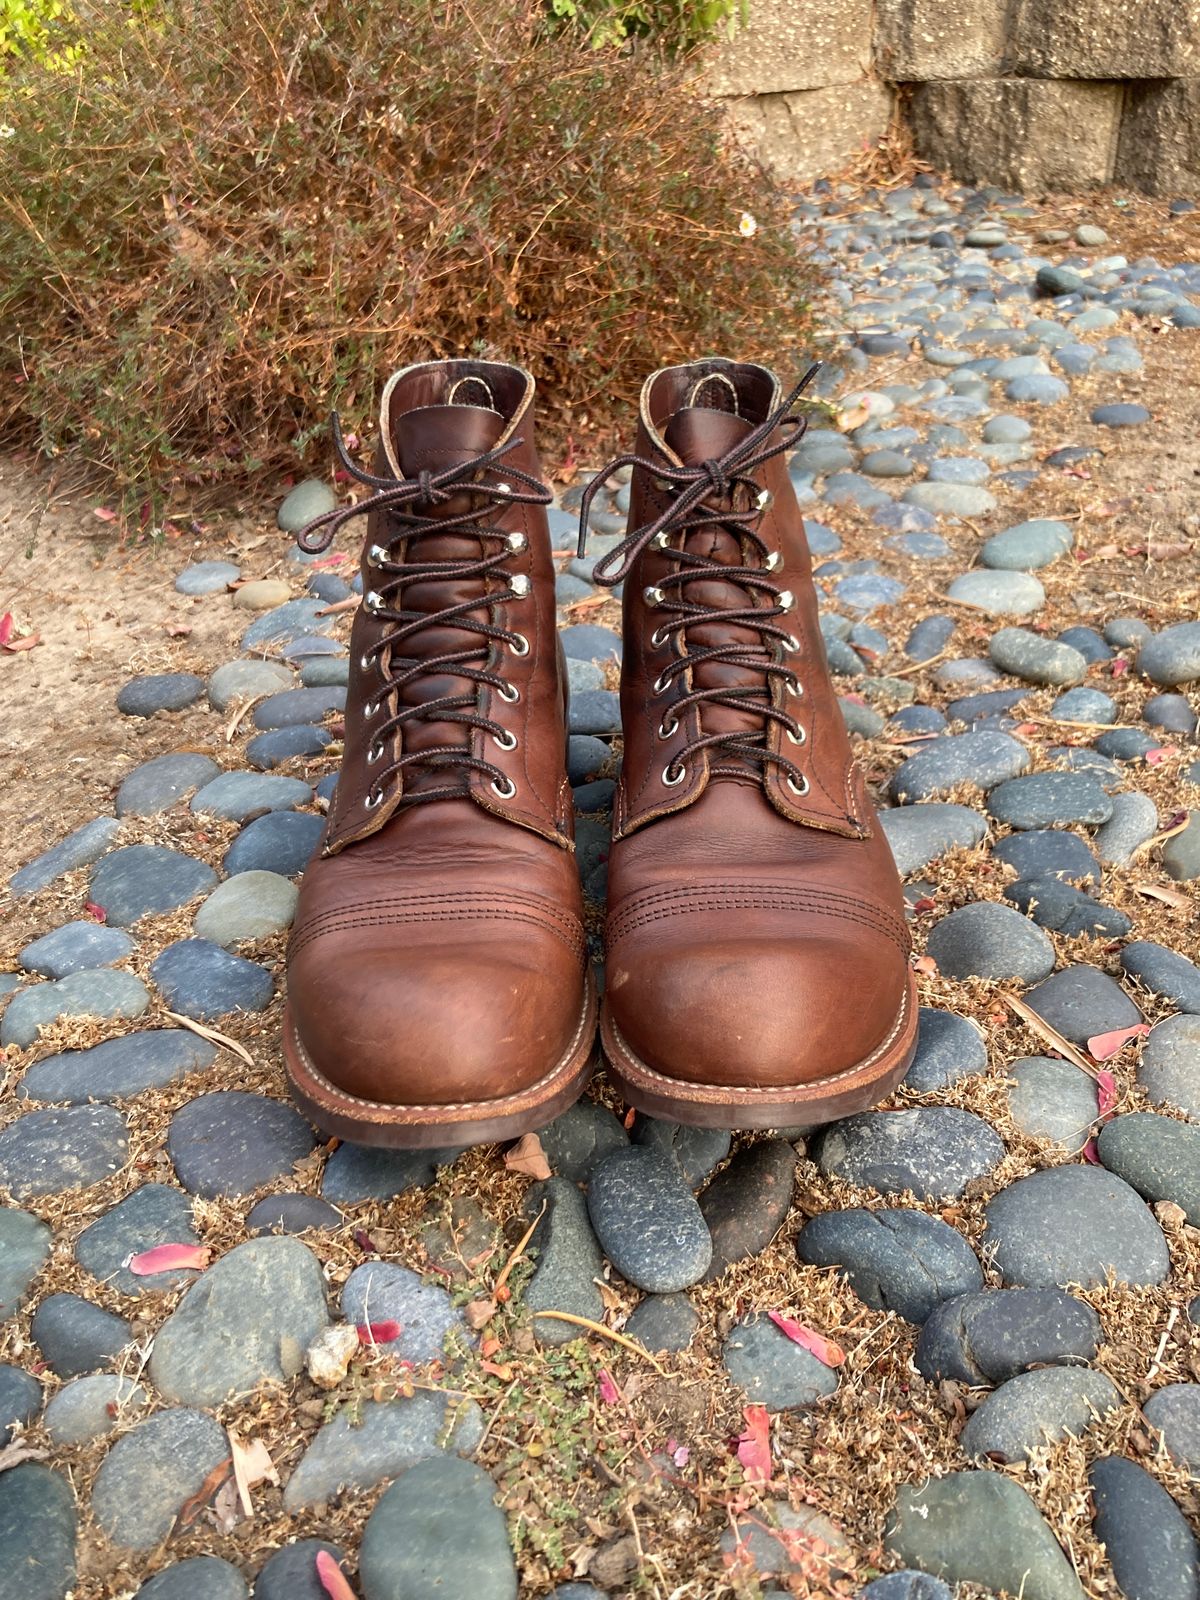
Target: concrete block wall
(1028, 94)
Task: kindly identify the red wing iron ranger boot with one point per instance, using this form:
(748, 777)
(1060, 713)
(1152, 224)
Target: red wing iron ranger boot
(438, 984)
(757, 953)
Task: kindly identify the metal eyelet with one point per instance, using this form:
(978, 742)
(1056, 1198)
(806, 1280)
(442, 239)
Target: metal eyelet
(373, 601)
(517, 541)
(653, 595)
(375, 750)
(794, 687)
(505, 788)
(791, 644)
(668, 727)
(799, 737)
(660, 683)
(672, 781)
(505, 740)
(772, 561)
(376, 555)
(370, 708)
(660, 539)
(659, 638)
(786, 600)
(800, 788)
(374, 797)
(763, 500)
(509, 693)
(502, 488)
(519, 584)
(365, 662)
(519, 644)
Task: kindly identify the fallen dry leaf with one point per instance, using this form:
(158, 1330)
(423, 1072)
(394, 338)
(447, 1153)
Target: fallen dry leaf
(754, 1445)
(479, 1313)
(1048, 1035)
(609, 1392)
(251, 1464)
(830, 1354)
(169, 1258)
(1169, 897)
(373, 1333)
(527, 1156)
(13, 1454)
(212, 1036)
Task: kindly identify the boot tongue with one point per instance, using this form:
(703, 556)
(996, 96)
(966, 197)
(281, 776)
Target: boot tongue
(696, 434)
(436, 438)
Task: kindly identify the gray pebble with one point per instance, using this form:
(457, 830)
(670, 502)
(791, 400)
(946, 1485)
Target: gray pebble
(919, 834)
(895, 1259)
(1157, 1156)
(246, 680)
(231, 1142)
(773, 1370)
(37, 1533)
(989, 940)
(1050, 799)
(1035, 658)
(46, 1151)
(1081, 1001)
(1073, 1224)
(207, 577)
(663, 1322)
(250, 905)
(949, 1048)
(935, 1151)
(438, 1530)
(282, 842)
(75, 947)
(76, 1336)
(1035, 1408)
(990, 1336)
(1048, 853)
(100, 992)
(1147, 1538)
(25, 1243)
(118, 1067)
(153, 1214)
(1175, 1411)
(568, 1261)
(88, 1408)
(1172, 657)
(999, 593)
(159, 691)
(1051, 1099)
(141, 879)
(647, 1220)
(79, 849)
(1164, 972)
(150, 1474)
(1169, 1069)
(381, 1291)
(982, 759)
(311, 498)
(156, 785)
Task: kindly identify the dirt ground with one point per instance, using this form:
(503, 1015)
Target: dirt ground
(637, 1489)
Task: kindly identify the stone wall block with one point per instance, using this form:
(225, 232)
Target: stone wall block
(805, 135)
(1159, 146)
(918, 40)
(1104, 38)
(793, 44)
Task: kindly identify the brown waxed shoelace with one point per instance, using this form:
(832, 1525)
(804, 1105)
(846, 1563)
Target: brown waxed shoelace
(691, 509)
(400, 498)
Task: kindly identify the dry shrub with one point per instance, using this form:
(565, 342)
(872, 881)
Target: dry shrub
(232, 213)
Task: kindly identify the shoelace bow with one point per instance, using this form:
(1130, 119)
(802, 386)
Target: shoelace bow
(694, 489)
(400, 499)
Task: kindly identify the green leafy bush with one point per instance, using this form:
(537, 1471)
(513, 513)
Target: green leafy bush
(676, 25)
(39, 27)
(237, 212)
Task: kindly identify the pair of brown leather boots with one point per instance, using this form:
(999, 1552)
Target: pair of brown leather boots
(439, 988)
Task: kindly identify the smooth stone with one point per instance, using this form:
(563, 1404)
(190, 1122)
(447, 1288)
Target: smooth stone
(75, 947)
(311, 498)
(991, 1336)
(949, 1048)
(1067, 910)
(46, 1151)
(989, 706)
(887, 464)
(355, 1173)
(861, 719)
(199, 1578)
(663, 1322)
(1084, 705)
(583, 675)
(1171, 712)
(1164, 972)
(999, 594)
(286, 623)
(919, 719)
(231, 1142)
(250, 905)
(935, 1151)
(906, 1586)
(261, 594)
(1028, 546)
(299, 707)
(647, 1220)
(1081, 1002)
(104, 992)
(982, 759)
(695, 1151)
(1172, 657)
(25, 1242)
(322, 672)
(980, 1527)
(246, 680)
(895, 1259)
(1126, 744)
(968, 672)
(1169, 1069)
(246, 1321)
(1073, 1224)
(78, 849)
(919, 834)
(438, 1531)
(1147, 1538)
(141, 879)
(234, 796)
(20, 1401)
(990, 940)
(746, 1203)
(378, 1440)
(1051, 1099)
(1088, 642)
(89, 1408)
(1127, 633)
(207, 577)
(380, 1291)
(292, 1213)
(775, 1540)
(568, 1261)
(151, 1473)
(1175, 1412)
(151, 1059)
(1050, 799)
(291, 1573)
(1036, 1408)
(772, 1369)
(37, 1534)
(1036, 659)
(958, 469)
(929, 638)
(589, 642)
(1048, 853)
(153, 1214)
(951, 499)
(281, 841)
(156, 785)
(159, 691)
(76, 1336)
(1120, 415)
(594, 712)
(1006, 430)
(585, 757)
(199, 979)
(594, 797)
(577, 1141)
(285, 744)
(1157, 1156)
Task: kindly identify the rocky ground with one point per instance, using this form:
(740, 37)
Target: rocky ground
(946, 1347)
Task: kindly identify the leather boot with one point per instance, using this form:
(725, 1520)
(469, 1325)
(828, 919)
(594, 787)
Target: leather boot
(438, 985)
(757, 952)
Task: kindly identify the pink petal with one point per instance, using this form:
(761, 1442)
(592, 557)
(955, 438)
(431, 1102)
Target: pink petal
(378, 1332)
(754, 1445)
(169, 1258)
(681, 1456)
(816, 1344)
(1091, 1153)
(331, 1578)
(97, 913)
(1155, 757)
(1104, 1046)
(6, 627)
(1106, 1086)
(1119, 667)
(609, 1392)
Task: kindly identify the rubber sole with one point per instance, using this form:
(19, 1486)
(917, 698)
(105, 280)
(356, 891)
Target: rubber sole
(427, 1127)
(706, 1105)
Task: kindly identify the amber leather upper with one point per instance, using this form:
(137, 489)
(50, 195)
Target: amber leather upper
(756, 934)
(438, 952)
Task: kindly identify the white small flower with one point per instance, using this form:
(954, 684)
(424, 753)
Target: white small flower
(6, 132)
(747, 226)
